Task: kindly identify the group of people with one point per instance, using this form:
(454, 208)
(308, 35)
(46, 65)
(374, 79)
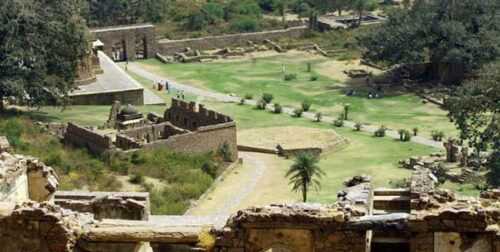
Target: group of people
(164, 84)
(371, 95)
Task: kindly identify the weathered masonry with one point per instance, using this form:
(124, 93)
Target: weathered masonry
(186, 127)
(122, 43)
(420, 218)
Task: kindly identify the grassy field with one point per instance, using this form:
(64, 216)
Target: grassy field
(396, 110)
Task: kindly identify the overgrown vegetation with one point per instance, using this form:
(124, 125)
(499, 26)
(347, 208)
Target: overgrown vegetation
(185, 177)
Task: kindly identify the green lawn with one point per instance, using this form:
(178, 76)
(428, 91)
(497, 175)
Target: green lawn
(396, 110)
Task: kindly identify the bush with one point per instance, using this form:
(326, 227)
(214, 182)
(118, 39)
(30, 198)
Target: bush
(242, 102)
(437, 135)
(261, 105)
(314, 78)
(415, 131)
(277, 108)
(404, 135)
(290, 77)
(298, 112)
(245, 24)
(380, 132)
(358, 126)
(306, 105)
(225, 152)
(137, 158)
(339, 122)
(248, 96)
(136, 178)
(318, 116)
(210, 168)
(267, 98)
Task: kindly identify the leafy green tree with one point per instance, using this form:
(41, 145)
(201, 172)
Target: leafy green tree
(41, 43)
(475, 110)
(456, 37)
(305, 173)
(360, 6)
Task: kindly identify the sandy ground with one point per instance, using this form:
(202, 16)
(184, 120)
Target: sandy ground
(334, 69)
(288, 137)
(259, 181)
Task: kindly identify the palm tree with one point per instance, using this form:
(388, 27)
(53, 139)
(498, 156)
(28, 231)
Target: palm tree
(305, 173)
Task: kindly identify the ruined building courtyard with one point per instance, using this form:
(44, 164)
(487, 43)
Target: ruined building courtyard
(249, 126)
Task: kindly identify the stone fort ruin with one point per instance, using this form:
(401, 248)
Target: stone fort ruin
(419, 218)
(186, 127)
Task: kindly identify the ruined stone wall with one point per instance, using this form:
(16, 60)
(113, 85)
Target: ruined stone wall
(127, 36)
(106, 205)
(190, 116)
(169, 47)
(135, 138)
(134, 97)
(82, 137)
(37, 227)
(203, 140)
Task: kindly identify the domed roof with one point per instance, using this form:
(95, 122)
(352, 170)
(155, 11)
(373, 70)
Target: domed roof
(129, 110)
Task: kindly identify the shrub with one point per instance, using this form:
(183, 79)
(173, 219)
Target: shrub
(415, 131)
(267, 98)
(404, 135)
(298, 112)
(314, 78)
(242, 102)
(137, 158)
(225, 152)
(136, 178)
(245, 24)
(380, 132)
(346, 111)
(358, 126)
(277, 108)
(318, 116)
(210, 168)
(261, 105)
(437, 135)
(306, 105)
(290, 77)
(248, 96)
(338, 122)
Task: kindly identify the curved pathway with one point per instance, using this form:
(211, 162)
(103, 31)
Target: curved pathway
(137, 69)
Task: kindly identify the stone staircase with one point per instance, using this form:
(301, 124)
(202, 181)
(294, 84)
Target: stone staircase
(390, 201)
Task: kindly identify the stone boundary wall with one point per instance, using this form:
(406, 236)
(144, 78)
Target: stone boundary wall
(294, 152)
(257, 149)
(192, 116)
(205, 139)
(82, 137)
(136, 138)
(169, 47)
(134, 97)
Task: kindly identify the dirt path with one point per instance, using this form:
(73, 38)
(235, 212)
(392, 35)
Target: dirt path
(259, 181)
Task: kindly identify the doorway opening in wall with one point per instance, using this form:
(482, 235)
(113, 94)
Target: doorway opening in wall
(390, 246)
(141, 48)
(119, 51)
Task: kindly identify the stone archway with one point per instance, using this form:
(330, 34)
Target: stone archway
(119, 51)
(141, 48)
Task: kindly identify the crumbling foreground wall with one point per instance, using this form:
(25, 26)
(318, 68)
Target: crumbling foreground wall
(37, 227)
